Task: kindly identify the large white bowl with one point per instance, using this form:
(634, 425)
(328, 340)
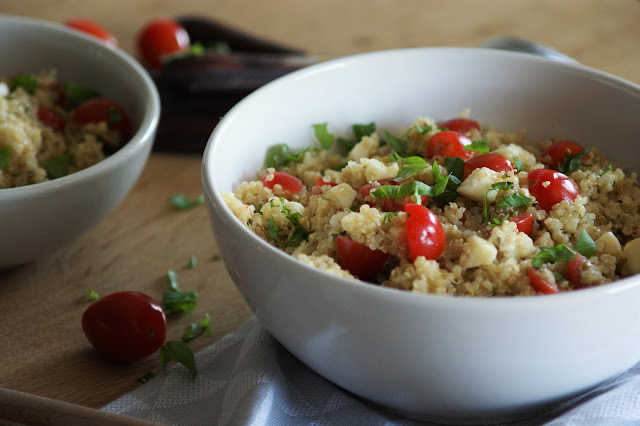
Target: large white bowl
(38, 219)
(431, 357)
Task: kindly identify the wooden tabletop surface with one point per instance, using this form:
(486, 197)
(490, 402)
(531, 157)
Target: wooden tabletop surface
(42, 348)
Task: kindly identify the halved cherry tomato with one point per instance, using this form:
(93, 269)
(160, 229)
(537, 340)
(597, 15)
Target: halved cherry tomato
(449, 144)
(125, 326)
(551, 187)
(320, 182)
(359, 259)
(495, 162)
(285, 180)
(574, 271)
(93, 28)
(462, 125)
(524, 223)
(540, 284)
(159, 38)
(557, 153)
(389, 204)
(425, 234)
(51, 119)
(96, 110)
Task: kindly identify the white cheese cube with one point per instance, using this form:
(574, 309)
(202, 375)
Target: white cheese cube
(476, 252)
(343, 194)
(476, 185)
(631, 252)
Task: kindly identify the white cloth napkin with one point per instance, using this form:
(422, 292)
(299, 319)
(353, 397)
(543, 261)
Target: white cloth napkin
(248, 378)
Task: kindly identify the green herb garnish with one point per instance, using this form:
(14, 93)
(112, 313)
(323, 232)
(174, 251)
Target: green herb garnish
(181, 202)
(585, 245)
(216, 257)
(5, 157)
(359, 131)
(195, 330)
(480, 145)
(498, 186)
(192, 262)
(300, 232)
(572, 162)
(455, 166)
(515, 200)
(559, 253)
(388, 216)
(92, 295)
(273, 229)
(57, 167)
(608, 169)
(280, 154)
(76, 94)
(322, 134)
(518, 164)
(27, 82)
(175, 350)
(397, 144)
(176, 300)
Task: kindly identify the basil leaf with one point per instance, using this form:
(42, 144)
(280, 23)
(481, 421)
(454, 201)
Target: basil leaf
(300, 232)
(280, 154)
(480, 145)
(324, 137)
(216, 257)
(498, 186)
(76, 95)
(559, 253)
(518, 164)
(572, 162)
(27, 82)
(388, 216)
(423, 130)
(608, 169)
(515, 200)
(5, 157)
(176, 300)
(195, 330)
(57, 167)
(273, 229)
(502, 186)
(455, 166)
(174, 350)
(181, 202)
(409, 170)
(362, 130)
(414, 159)
(92, 295)
(192, 262)
(585, 245)
(397, 144)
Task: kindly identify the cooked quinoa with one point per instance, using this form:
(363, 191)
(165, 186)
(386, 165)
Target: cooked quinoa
(485, 254)
(34, 149)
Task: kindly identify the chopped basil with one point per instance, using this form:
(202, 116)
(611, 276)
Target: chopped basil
(412, 188)
(559, 253)
(113, 117)
(572, 162)
(216, 257)
(5, 157)
(300, 232)
(76, 95)
(480, 145)
(585, 245)
(518, 164)
(280, 154)
(27, 82)
(498, 186)
(322, 134)
(397, 144)
(176, 300)
(423, 130)
(147, 376)
(192, 262)
(608, 169)
(92, 295)
(273, 229)
(494, 221)
(181, 202)
(175, 350)
(359, 131)
(57, 167)
(455, 166)
(388, 216)
(195, 330)
(515, 200)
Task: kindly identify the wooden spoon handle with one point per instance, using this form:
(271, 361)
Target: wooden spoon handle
(24, 408)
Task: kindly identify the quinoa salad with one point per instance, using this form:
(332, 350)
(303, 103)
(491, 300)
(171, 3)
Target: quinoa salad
(49, 128)
(448, 208)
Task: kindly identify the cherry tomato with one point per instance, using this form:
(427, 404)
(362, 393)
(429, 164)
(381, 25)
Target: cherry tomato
(551, 187)
(51, 119)
(449, 144)
(495, 162)
(159, 38)
(557, 153)
(94, 29)
(125, 326)
(425, 234)
(96, 110)
(574, 271)
(389, 204)
(359, 259)
(285, 180)
(524, 223)
(317, 188)
(462, 125)
(540, 284)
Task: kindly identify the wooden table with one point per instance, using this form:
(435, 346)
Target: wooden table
(42, 348)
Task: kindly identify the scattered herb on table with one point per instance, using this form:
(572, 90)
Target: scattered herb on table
(176, 300)
(175, 350)
(181, 202)
(193, 261)
(195, 330)
(92, 295)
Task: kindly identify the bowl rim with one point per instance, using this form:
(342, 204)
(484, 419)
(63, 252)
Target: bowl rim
(217, 206)
(141, 138)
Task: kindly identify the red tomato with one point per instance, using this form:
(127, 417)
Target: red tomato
(94, 29)
(159, 38)
(51, 119)
(449, 144)
(524, 223)
(574, 271)
(556, 154)
(559, 188)
(359, 259)
(540, 284)
(389, 204)
(125, 326)
(317, 188)
(285, 180)
(462, 125)
(425, 234)
(495, 162)
(96, 110)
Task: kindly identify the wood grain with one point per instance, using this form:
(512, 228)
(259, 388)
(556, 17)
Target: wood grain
(42, 348)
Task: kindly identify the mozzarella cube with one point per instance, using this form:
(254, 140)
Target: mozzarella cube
(343, 194)
(476, 252)
(631, 252)
(476, 185)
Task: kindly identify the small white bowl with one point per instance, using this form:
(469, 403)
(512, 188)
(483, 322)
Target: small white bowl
(38, 219)
(454, 360)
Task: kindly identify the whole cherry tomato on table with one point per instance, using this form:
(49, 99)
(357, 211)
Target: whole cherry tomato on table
(159, 38)
(551, 187)
(557, 153)
(125, 326)
(462, 125)
(285, 180)
(495, 162)
(93, 28)
(96, 110)
(359, 259)
(448, 143)
(425, 234)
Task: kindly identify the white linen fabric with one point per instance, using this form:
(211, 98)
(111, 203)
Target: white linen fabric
(248, 378)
